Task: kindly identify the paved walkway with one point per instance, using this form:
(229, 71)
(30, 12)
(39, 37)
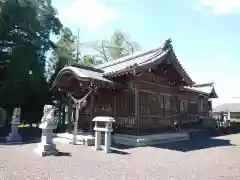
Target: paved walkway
(200, 158)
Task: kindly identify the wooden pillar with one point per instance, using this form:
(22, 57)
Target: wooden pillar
(74, 139)
(114, 106)
(189, 119)
(70, 111)
(90, 128)
(136, 89)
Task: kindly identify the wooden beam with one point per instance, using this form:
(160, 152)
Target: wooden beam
(91, 112)
(114, 106)
(136, 89)
(152, 83)
(147, 91)
(70, 111)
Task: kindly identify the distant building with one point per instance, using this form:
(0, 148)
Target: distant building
(233, 108)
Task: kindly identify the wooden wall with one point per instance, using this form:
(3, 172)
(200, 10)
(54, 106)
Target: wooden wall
(155, 97)
(235, 115)
(159, 105)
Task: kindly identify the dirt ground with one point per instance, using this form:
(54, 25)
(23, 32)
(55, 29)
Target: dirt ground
(200, 158)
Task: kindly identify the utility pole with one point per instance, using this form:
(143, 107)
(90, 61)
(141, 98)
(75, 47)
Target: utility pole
(76, 60)
(78, 50)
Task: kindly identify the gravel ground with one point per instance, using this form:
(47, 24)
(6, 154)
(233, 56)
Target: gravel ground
(200, 158)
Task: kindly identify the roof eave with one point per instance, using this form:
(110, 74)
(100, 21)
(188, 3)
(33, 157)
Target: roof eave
(196, 91)
(213, 94)
(130, 70)
(67, 70)
(181, 70)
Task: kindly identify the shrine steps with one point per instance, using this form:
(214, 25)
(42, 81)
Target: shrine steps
(148, 140)
(82, 138)
(123, 139)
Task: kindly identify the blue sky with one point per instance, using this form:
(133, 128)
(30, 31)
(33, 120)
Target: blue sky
(205, 33)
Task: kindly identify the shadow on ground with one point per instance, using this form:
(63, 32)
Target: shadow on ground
(196, 143)
(122, 147)
(120, 152)
(28, 134)
(23, 142)
(61, 154)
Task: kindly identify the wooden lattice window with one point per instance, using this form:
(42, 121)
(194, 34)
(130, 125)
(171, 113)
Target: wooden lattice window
(167, 102)
(184, 106)
(161, 101)
(164, 102)
(200, 105)
(148, 103)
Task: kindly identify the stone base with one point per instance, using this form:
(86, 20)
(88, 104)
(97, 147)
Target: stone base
(136, 141)
(46, 149)
(82, 138)
(14, 138)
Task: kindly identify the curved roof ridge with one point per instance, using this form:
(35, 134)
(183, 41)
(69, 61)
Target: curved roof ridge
(203, 84)
(130, 56)
(81, 74)
(181, 67)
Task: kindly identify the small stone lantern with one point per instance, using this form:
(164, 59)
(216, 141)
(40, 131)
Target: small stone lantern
(103, 124)
(14, 136)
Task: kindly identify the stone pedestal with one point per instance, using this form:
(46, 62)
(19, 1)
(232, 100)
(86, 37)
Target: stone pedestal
(46, 147)
(107, 147)
(97, 140)
(103, 124)
(14, 136)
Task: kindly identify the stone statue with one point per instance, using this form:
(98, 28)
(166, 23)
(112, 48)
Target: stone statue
(3, 117)
(48, 119)
(14, 135)
(48, 124)
(16, 114)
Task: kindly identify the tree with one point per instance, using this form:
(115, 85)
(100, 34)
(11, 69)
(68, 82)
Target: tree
(62, 54)
(117, 46)
(91, 61)
(26, 26)
(99, 50)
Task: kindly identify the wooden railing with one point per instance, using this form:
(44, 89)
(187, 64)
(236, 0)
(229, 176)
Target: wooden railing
(125, 121)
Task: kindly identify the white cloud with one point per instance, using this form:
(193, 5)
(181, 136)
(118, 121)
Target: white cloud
(221, 59)
(86, 13)
(221, 6)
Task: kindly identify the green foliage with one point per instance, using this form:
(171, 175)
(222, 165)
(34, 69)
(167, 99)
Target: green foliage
(119, 45)
(210, 123)
(62, 54)
(90, 61)
(25, 29)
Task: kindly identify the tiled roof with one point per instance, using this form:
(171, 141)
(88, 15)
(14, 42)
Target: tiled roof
(207, 89)
(233, 107)
(203, 84)
(82, 73)
(155, 55)
(135, 59)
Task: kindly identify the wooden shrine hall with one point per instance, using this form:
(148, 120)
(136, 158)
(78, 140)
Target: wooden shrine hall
(146, 92)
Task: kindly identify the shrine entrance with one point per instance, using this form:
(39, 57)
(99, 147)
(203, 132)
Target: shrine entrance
(80, 86)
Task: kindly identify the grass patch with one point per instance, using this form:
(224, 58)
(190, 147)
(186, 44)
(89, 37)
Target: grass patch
(23, 125)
